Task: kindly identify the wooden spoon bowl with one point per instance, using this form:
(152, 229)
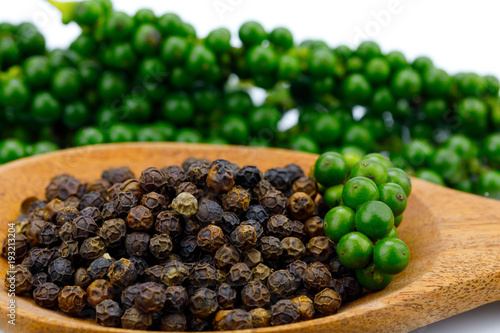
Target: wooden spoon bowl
(454, 240)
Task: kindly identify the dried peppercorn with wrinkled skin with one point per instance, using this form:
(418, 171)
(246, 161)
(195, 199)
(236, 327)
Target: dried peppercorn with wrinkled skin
(168, 222)
(83, 228)
(236, 319)
(314, 226)
(108, 313)
(92, 212)
(108, 210)
(257, 213)
(337, 269)
(98, 291)
(220, 178)
(274, 202)
(51, 209)
(203, 303)
(259, 229)
(320, 248)
(68, 187)
(61, 271)
(38, 259)
(73, 202)
(122, 273)
(134, 319)
(68, 250)
(261, 272)
(209, 211)
(140, 218)
(48, 235)
(45, 295)
(226, 256)
(92, 199)
(327, 302)
(248, 176)
(82, 278)
(174, 322)
(203, 276)
(21, 245)
(66, 214)
(40, 278)
(99, 268)
(306, 185)
(306, 307)
(113, 232)
(92, 248)
(176, 298)
(150, 298)
(255, 295)
(228, 222)
(294, 172)
(237, 200)
(137, 243)
(260, 317)
(244, 237)
(197, 324)
(293, 249)
(175, 272)
(281, 284)
(117, 175)
(189, 249)
(174, 175)
(188, 187)
(33, 230)
(197, 173)
(211, 238)
(132, 186)
(353, 289)
(185, 204)
(98, 185)
(262, 187)
(253, 257)
(154, 201)
(298, 229)
(298, 269)
(123, 202)
(72, 300)
(191, 160)
(226, 296)
(239, 275)
(284, 312)
(279, 226)
(129, 294)
(152, 179)
(140, 265)
(317, 276)
(300, 206)
(23, 279)
(154, 273)
(160, 246)
(270, 247)
(66, 232)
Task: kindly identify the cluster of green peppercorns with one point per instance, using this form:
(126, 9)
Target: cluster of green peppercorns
(151, 78)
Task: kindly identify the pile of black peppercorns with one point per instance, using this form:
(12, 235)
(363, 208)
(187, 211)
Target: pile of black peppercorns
(206, 246)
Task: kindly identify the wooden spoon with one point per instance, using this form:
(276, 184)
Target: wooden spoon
(454, 240)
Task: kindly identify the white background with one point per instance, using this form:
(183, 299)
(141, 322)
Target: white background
(458, 35)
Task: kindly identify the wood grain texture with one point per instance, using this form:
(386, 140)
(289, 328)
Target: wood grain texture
(454, 240)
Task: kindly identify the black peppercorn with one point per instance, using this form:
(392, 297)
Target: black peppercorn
(38, 259)
(259, 229)
(133, 186)
(92, 248)
(237, 200)
(189, 250)
(40, 278)
(293, 249)
(140, 218)
(279, 178)
(244, 237)
(174, 322)
(327, 302)
(168, 222)
(137, 243)
(113, 232)
(108, 313)
(197, 173)
(152, 179)
(306, 185)
(270, 247)
(174, 273)
(314, 226)
(239, 275)
(210, 238)
(66, 214)
(154, 273)
(226, 256)
(68, 250)
(48, 234)
(300, 206)
(51, 210)
(352, 288)
(236, 319)
(150, 298)
(203, 303)
(92, 199)
(99, 268)
(129, 294)
(257, 213)
(253, 257)
(72, 300)
(124, 201)
(317, 276)
(255, 295)
(320, 248)
(284, 312)
(70, 186)
(122, 273)
(154, 202)
(82, 278)
(226, 296)
(46, 294)
(188, 187)
(282, 284)
(134, 319)
(261, 272)
(305, 306)
(160, 246)
(61, 271)
(209, 211)
(33, 230)
(83, 228)
(260, 317)
(203, 276)
(117, 175)
(108, 210)
(274, 202)
(174, 176)
(22, 278)
(248, 176)
(220, 178)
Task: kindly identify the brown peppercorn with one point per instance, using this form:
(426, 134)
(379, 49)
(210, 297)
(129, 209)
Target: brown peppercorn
(98, 291)
(188, 187)
(82, 278)
(92, 199)
(236, 319)
(38, 259)
(92, 248)
(152, 179)
(281, 284)
(68, 187)
(261, 272)
(51, 209)
(293, 249)
(300, 206)
(255, 295)
(279, 226)
(211, 238)
(298, 269)
(226, 256)
(140, 219)
(108, 313)
(60, 271)
(175, 272)
(203, 303)
(154, 273)
(134, 319)
(174, 322)
(68, 250)
(123, 202)
(129, 294)
(154, 202)
(66, 214)
(327, 302)
(176, 299)
(209, 211)
(244, 237)
(253, 257)
(239, 275)
(257, 226)
(191, 160)
(113, 232)
(99, 268)
(150, 298)
(229, 222)
(27, 204)
(284, 312)
(260, 317)
(160, 246)
(306, 185)
(112, 192)
(262, 187)
(197, 173)
(132, 186)
(40, 278)
(270, 247)
(83, 228)
(314, 226)
(73, 202)
(317, 276)
(274, 202)
(320, 248)
(306, 307)
(237, 200)
(298, 229)
(33, 230)
(52, 189)
(185, 204)
(21, 278)
(174, 176)
(137, 243)
(168, 222)
(98, 185)
(122, 273)
(220, 178)
(20, 244)
(65, 232)
(226, 296)
(45, 295)
(117, 175)
(48, 235)
(203, 276)
(72, 300)
(248, 176)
